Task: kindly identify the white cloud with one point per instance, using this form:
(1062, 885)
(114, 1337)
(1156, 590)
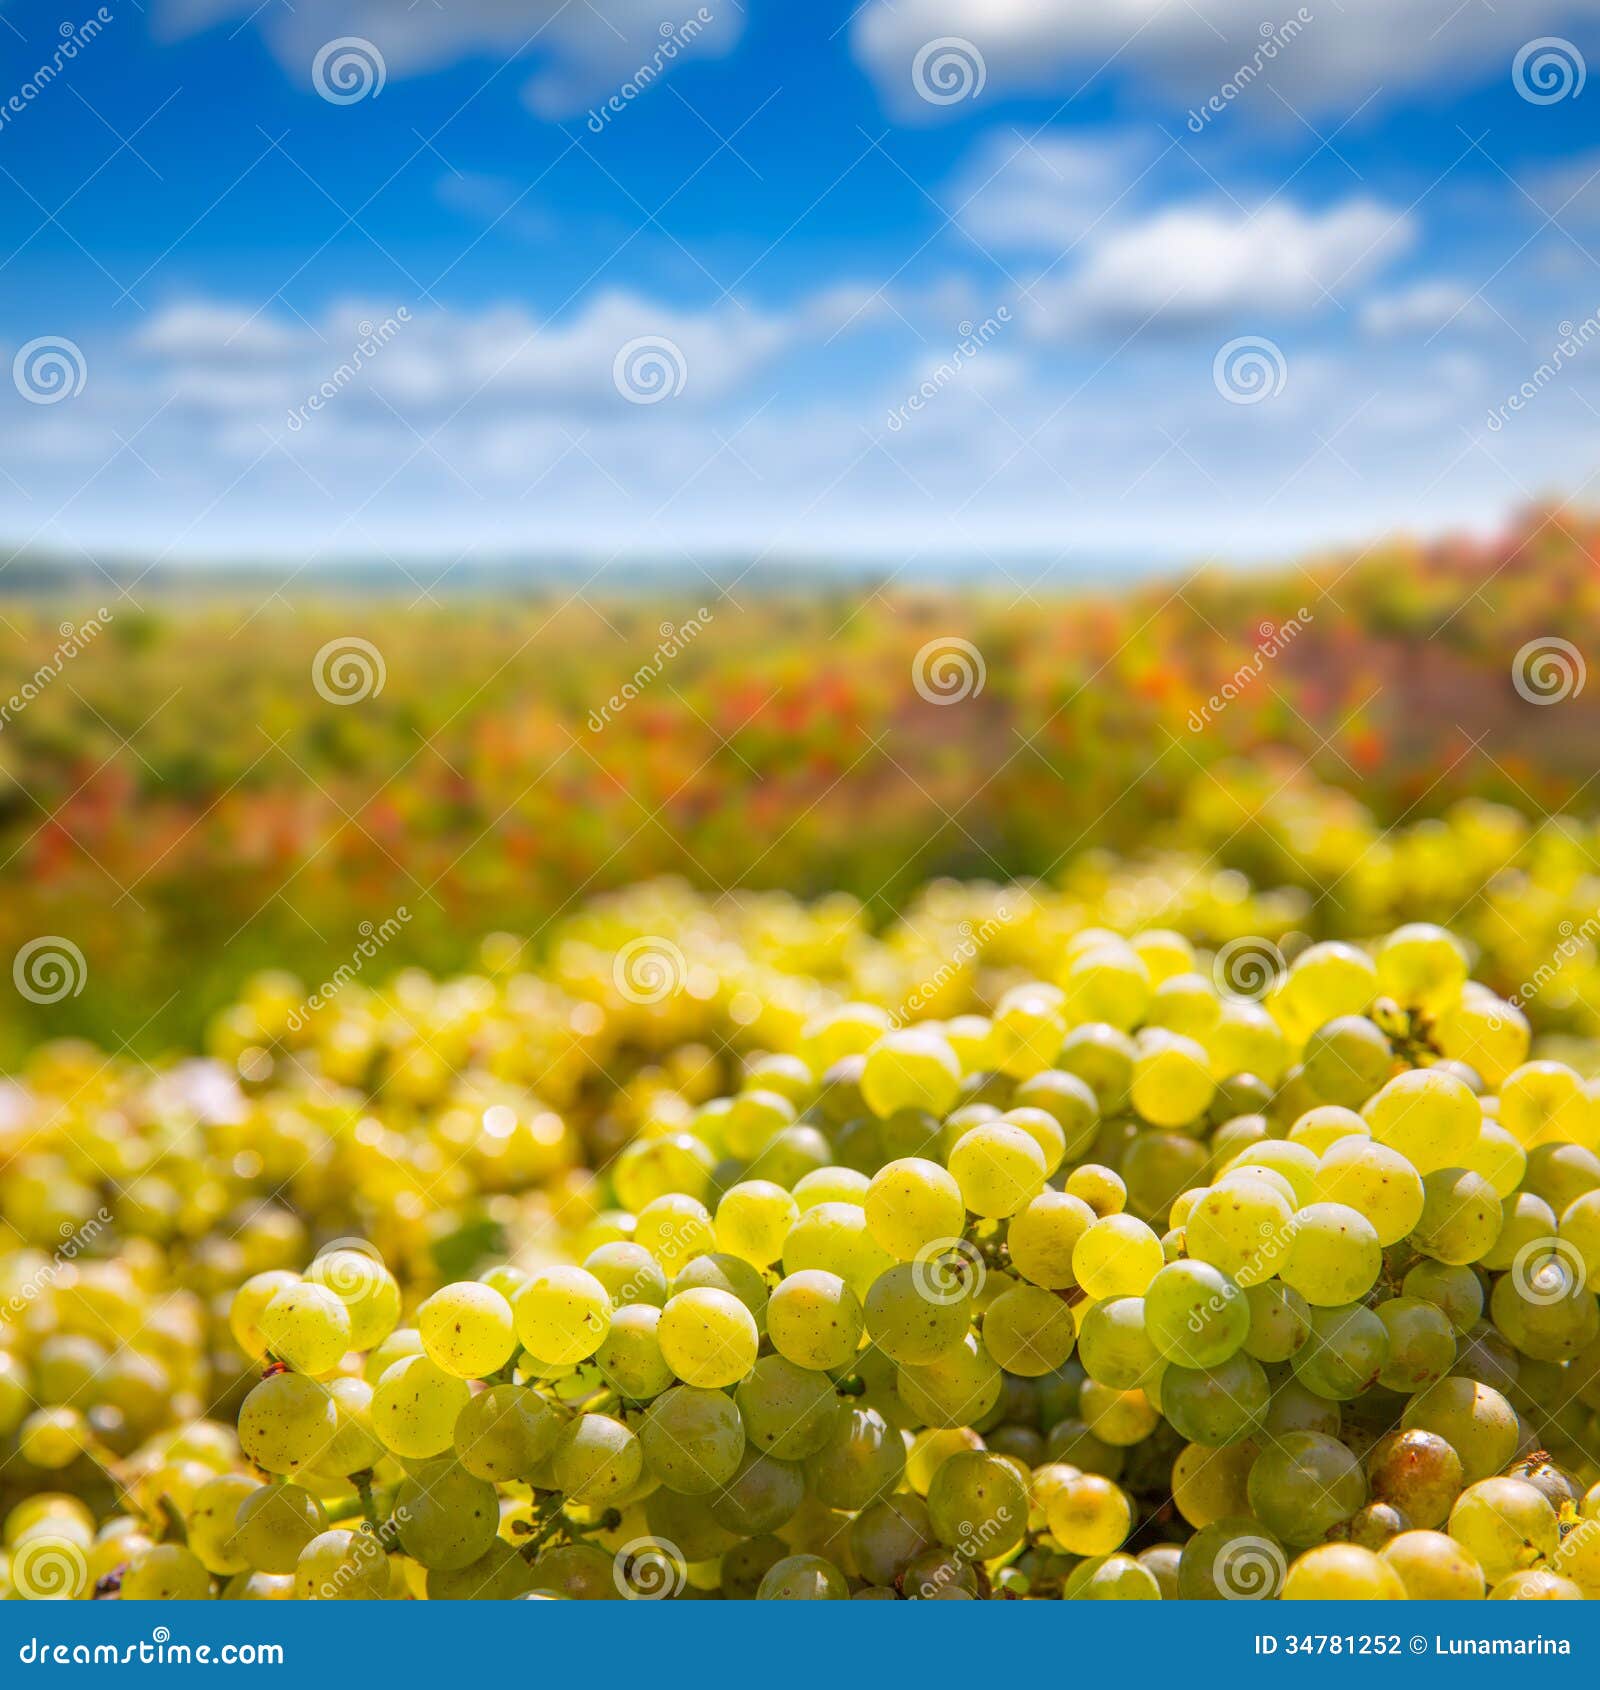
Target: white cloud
(579, 55)
(1041, 192)
(208, 329)
(1344, 53)
(1423, 308)
(1201, 264)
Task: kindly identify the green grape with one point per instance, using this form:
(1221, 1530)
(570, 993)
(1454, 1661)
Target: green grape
(913, 1317)
(1209, 1484)
(250, 1302)
(1216, 1405)
(1326, 980)
(833, 1184)
(911, 1068)
(958, 1389)
(1102, 1057)
(1241, 1226)
(403, 1341)
(562, 1315)
(286, 1422)
(1231, 1559)
(1117, 1256)
(815, 1320)
(1499, 1158)
(630, 1360)
(788, 1411)
(1070, 1100)
(1115, 1345)
(1099, 1187)
(1043, 1128)
(576, 1572)
(1344, 1354)
(414, 1408)
(753, 1219)
(1295, 1409)
(747, 1563)
(1434, 1567)
(1536, 1584)
(978, 1503)
(167, 1572)
(1172, 1080)
(210, 1524)
(1342, 1572)
(1376, 1182)
(1422, 1343)
(1346, 1060)
(1578, 1231)
(833, 1238)
(1044, 1235)
(692, 1440)
(803, 1578)
(1561, 1174)
(886, 1536)
(1089, 1515)
(763, 1495)
(1416, 1472)
(1280, 1321)
(1455, 1289)
(1292, 1163)
(862, 1459)
(913, 1203)
(341, 1566)
(1475, 1420)
(1070, 1443)
(1195, 1314)
(707, 1337)
(1027, 1330)
(1460, 1217)
(369, 1292)
(1334, 1256)
(467, 1330)
(1420, 964)
(794, 1153)
(1544, 1103)
(753, 1119)
(628, 1273)
(1505, 1525)
(1430, 1117)
(1184, 1003)
(354, 1445)
(1118, 1418)
(673, 1228)
(1304, 1484)
(998, 1168)
(498, 1575)
(1158, 1168)
(505, 1432)
(717, 1272)
(306, 1326)
(1319, 1129)
(1545, 1307)
(1026, 1032)
(596, 1459)
(444, 1516)
(930, 1448)
(274, 1523)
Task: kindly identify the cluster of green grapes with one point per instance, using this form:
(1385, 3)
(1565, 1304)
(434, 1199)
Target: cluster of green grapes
(1129, 1288)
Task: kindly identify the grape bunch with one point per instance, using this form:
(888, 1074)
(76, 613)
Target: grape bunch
(1134, 1288)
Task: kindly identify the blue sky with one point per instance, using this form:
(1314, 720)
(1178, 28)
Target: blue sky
(989, 279)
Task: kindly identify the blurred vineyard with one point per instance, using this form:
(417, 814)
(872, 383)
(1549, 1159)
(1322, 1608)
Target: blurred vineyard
(183, 804)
